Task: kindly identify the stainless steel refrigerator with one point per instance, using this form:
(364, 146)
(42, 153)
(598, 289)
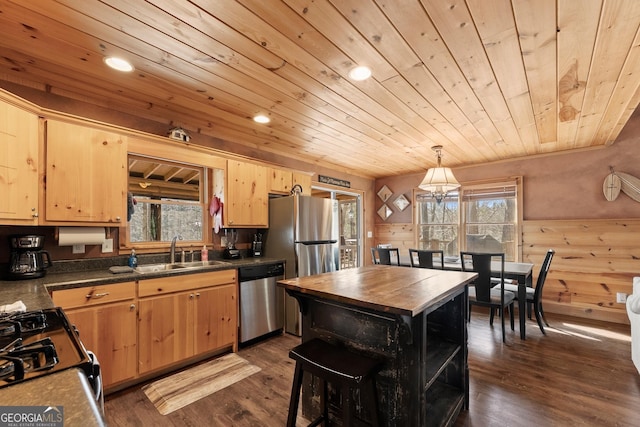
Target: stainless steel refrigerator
(303, 230)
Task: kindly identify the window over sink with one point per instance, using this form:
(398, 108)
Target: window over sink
(165, 199)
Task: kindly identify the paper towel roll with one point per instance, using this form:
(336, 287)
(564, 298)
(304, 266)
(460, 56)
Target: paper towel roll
(69, 236)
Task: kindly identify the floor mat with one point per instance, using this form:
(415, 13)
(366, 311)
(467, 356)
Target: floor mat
(183, 388)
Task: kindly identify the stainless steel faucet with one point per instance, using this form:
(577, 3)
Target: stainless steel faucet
(173, 247)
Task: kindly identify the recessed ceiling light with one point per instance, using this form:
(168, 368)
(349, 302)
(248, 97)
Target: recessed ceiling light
(260, 118)
(118, 64)
(360, 73)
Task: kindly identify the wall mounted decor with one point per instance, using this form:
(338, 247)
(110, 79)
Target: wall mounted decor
(384, 193)
(401, 202)
(384, 212)
(617, 181)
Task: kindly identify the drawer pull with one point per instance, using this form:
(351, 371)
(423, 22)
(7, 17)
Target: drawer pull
(96, 296)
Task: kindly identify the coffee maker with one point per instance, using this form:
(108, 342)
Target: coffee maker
(27, 259)
(256, 246)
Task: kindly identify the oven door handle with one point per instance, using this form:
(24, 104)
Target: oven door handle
(96, 382)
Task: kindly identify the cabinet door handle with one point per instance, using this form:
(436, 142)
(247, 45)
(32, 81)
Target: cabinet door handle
(197, 294)
(132, 307)
(191, 296)
(96, 296)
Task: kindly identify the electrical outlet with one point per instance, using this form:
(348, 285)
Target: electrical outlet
(107, 246)
(78, 249)
(223, 241)
(621, 297)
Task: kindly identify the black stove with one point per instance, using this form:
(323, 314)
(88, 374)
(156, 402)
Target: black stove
(38, 343)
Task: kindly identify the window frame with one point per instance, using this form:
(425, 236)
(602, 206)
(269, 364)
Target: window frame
(463, 222)
(149, 246)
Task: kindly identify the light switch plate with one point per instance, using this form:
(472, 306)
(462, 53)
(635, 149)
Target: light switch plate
(107, 246)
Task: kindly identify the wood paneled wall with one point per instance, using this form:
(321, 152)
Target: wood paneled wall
(594, 260)
(398, 235)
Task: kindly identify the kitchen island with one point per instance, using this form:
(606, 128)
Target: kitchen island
(412, 319)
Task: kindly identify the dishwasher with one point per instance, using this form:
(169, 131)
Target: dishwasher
(261, 300)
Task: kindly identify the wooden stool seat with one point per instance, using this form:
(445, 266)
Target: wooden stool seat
(338, 366)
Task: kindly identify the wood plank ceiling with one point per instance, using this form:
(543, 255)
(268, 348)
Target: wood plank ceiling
(487, 79)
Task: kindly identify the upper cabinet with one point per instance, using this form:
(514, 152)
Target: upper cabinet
(246, 200)
(303, 180)
(19, 138)
(279, 180)
(282, 181)
(86, 179)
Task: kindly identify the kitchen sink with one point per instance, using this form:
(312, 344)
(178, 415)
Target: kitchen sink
(196, 264)
(151, 268)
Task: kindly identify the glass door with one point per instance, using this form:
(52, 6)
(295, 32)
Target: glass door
(349, 215)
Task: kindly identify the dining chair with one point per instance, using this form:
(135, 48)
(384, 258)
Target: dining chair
(425, 258)
(534, 295)
(482, 292)
(374, 256)
(384, 256)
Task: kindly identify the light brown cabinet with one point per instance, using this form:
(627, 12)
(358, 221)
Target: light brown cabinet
(105, 317)
(279, 181)
(246, 195)
(86, 174)
(303, 180)
(165, 330)
(185, 316)
(19, 137)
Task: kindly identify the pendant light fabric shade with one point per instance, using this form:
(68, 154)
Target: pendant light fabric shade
(439, 180)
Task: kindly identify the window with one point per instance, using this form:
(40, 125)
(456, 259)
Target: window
(438, 223)
(166, 200)
(479, 217)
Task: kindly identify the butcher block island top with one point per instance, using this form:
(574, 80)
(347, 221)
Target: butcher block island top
(412, 320)
(391, 289)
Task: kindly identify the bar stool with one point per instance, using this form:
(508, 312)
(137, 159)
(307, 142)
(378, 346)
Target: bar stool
(340, 367)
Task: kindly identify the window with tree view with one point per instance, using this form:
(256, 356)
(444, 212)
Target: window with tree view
(438, 223)
(165, 200)
(478, 218)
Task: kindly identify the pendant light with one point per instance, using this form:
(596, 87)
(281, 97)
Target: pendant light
(439, 181)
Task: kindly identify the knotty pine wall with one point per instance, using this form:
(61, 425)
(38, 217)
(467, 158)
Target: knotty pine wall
(594, 260)
(597, 242)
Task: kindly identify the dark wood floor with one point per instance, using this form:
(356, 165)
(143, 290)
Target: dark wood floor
(580, 373)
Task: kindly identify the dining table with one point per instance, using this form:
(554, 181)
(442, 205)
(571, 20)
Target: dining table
(521, 272)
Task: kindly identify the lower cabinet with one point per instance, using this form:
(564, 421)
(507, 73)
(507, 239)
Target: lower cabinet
(135, 328)
(215, 318)
(176, 324)
(105, 317)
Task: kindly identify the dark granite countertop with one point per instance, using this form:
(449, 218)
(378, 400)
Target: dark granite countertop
(68, 388)
(81, 274)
